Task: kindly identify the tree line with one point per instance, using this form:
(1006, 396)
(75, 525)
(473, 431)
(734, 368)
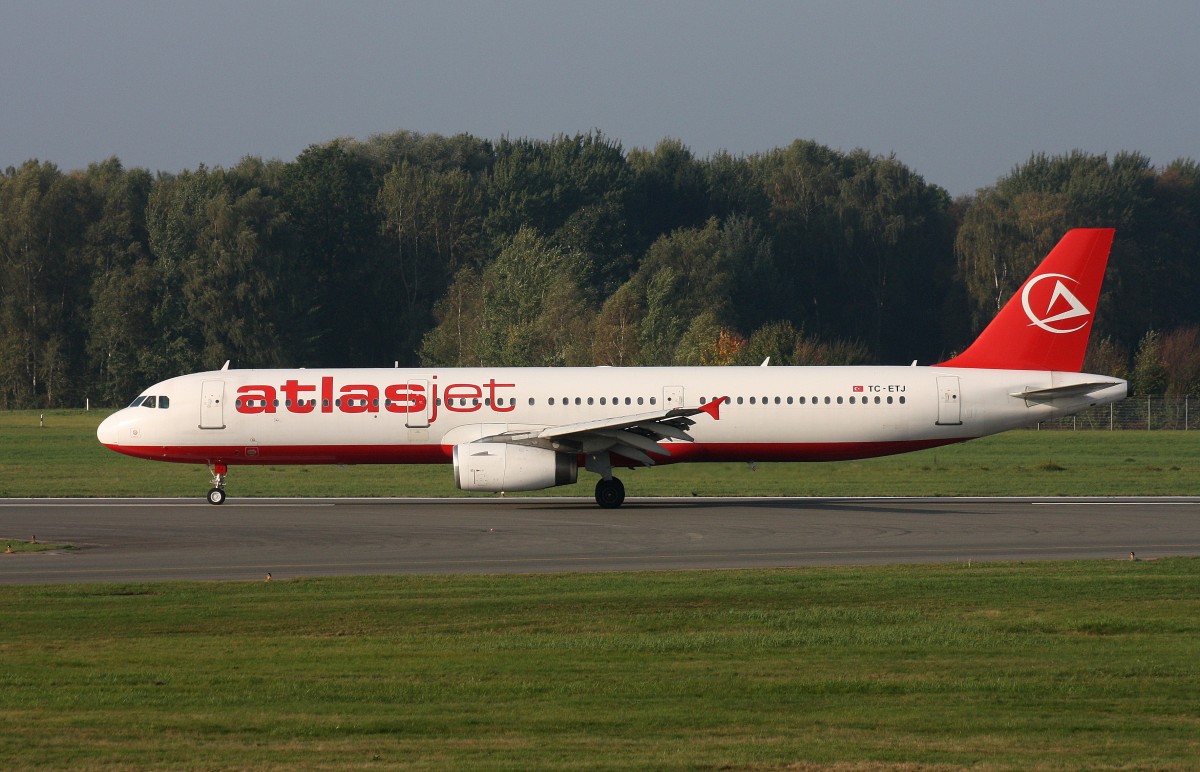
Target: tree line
(456, 251)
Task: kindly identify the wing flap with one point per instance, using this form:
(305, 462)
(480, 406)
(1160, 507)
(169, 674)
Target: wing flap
(634, 437)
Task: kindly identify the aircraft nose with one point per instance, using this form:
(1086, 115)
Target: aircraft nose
(108, 431)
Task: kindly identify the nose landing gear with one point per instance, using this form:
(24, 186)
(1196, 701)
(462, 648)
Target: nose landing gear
(216, 495)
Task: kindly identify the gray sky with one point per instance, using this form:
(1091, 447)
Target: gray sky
(960, 91)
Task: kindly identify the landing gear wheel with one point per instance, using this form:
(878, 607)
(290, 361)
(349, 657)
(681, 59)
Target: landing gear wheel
(217, 494)
(610, 493)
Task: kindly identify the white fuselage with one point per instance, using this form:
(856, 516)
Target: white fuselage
(419, 415)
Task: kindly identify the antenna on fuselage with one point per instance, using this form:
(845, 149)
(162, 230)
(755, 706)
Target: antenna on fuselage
(226, 365)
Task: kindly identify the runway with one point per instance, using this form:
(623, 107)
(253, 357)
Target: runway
(124, 540)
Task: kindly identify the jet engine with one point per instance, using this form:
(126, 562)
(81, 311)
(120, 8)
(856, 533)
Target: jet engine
(502, 466)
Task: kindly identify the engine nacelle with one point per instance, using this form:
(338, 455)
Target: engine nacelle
(501, 466)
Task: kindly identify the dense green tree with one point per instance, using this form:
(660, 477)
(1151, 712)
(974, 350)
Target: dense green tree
(125, 285)
(574, 189)
(1149, 376)
(220, 241)
(453, 341)
(1179, 356)
(526, 308)
(532, 305)
(860, 241)
(615, 331)
(43, 287)
(669, 190)
(340, 287)
(776, 340)
(432, 152)
(432, 228)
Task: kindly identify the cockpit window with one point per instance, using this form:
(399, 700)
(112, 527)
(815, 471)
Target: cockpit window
(150, 402)
(137, 401)
(164, 402)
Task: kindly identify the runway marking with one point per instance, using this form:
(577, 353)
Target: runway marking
(585, 559)
(1114, 503)
(310, 502)
(143, 505)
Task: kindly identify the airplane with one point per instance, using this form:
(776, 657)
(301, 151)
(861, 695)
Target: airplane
(526, 428)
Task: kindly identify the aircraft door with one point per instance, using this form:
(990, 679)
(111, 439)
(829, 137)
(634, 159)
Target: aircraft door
(949, 401)
(212, 414)
(419, 419)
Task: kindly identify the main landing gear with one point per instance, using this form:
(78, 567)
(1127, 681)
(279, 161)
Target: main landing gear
(217, 494)
(610, 493)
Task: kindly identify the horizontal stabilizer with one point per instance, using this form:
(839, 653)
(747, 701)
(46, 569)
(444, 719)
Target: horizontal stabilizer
(1062, 392)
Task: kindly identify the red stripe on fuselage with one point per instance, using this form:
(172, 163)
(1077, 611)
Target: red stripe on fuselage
(441, 454)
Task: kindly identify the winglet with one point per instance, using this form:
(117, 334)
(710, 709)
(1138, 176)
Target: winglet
(713, 408)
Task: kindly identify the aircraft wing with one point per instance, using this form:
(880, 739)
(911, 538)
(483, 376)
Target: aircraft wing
(631, 436)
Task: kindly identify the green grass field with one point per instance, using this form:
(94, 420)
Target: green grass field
(998, 666)
(64, 459)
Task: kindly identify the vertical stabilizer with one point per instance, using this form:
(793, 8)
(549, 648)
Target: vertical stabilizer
(1046, 324)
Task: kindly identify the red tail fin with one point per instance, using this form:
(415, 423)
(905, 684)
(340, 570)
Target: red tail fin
(1046, 324)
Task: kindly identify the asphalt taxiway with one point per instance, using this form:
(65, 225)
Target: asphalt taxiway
(122, 540)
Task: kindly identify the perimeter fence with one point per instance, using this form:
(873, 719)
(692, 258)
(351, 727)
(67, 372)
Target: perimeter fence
(1177, 413)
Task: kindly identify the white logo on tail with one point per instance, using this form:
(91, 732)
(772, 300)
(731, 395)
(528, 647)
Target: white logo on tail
(1075, 308)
